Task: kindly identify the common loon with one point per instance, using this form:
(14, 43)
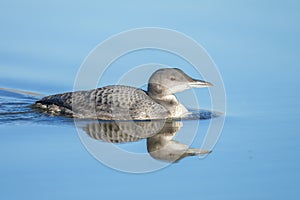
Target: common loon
(118, 102)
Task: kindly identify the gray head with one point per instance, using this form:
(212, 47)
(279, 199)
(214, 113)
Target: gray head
(168, 81)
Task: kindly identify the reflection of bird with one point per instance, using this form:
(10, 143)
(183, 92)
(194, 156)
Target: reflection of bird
(123, 102)
(159, 134)
(123, 131)
(162, 146)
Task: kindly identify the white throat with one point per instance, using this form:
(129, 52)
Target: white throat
(171, 103)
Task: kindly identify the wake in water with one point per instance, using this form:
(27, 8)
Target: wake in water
(15, 108)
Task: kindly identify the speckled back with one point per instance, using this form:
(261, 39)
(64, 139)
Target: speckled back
(110, 102)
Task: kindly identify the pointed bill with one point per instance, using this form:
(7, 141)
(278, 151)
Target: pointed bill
(199, 84)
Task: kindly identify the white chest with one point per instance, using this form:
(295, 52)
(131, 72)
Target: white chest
(175, 108)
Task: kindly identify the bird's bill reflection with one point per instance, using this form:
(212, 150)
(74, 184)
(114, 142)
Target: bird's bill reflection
(162, 146)
(159, 136)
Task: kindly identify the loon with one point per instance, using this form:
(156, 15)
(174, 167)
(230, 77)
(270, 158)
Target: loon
(119, 102)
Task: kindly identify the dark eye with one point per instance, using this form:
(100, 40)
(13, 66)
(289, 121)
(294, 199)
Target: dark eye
(173, 78)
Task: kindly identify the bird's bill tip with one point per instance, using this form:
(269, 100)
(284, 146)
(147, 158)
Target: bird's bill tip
(200, 84)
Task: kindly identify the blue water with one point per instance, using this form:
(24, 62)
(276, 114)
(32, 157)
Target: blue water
(256, 47)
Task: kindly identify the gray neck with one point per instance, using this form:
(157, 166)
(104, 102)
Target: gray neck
(160, 95)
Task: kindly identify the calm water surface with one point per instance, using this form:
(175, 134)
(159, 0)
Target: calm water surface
(256, 46)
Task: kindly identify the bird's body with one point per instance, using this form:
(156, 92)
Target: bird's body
(108, 103)
(119, 102)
